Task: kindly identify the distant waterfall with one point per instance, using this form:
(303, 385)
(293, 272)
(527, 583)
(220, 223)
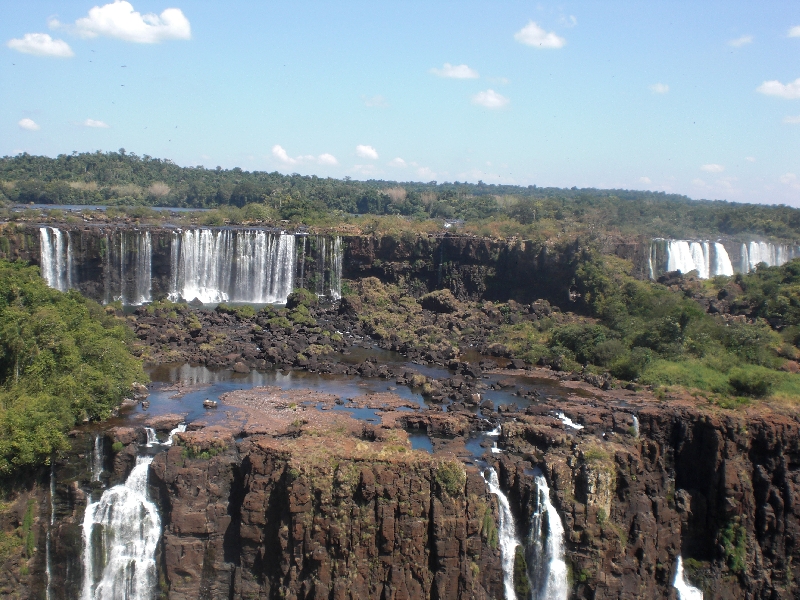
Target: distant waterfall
(507, 534)
(97, 457)
(120, 536)
(685, 590)
(774, 255)
(337, 257)
(545, 553)
(55, 257)
(232, 266)
(709, 259)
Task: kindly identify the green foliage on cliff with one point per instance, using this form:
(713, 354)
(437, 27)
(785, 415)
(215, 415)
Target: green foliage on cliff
(522, 585)
(123, 178)
(734, 544)
(63, 359)
(451, 477)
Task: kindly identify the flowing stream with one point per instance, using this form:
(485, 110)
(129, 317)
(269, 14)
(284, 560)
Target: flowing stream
(686, 591)
(507, 533)
(120, 536)
(97, 457)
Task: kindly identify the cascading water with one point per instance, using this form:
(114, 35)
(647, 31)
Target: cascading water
(773, 255)
(322, 247)
(232, 266)
(686, 591)
(120, 536)
(547, 569)
(179, 429)
(708, 259)
(55, 257)
(151, 436)
(635, 426)
(97, 457)
(506, 532)
(336, 269)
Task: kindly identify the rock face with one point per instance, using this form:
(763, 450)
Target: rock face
(258, 521)
(718, 489)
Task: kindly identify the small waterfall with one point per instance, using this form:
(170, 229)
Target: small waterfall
(143, 269)
(232, 266)
(321, 252)
(507, 534)
(151, 436)
(303, 262)
(48, 557)
(179, 429)
(707, 258)
(686, 591)
(336, 269)
(120, 536)
(55, 258)
(97, 457)
(545, 554)
(635, 426)
(721, 262)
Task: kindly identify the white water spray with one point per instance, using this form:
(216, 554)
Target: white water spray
(55, 258)
(179, 429)
(97, 457)
(336, 269)
(686, 591)
(506, 532)
(546, 565)
(120, 535)
(151, 436)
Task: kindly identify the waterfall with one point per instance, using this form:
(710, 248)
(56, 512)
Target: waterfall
(151, 436)
(635, 426)
(303, 262)
(707, 258)
(545, 554)
(97, 457)
(55, 258)
(321, 251)
(232, 266)
(774, 255)
(721, 262)
(685, 590)
(336, 269)
(49, 560)
(179, 429)
(507, 534)
(120, 536)
(143, 269)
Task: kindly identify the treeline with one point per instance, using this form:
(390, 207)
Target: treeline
(123, 178)
(63, 360)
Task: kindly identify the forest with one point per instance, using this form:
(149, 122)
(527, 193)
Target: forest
(126, 179)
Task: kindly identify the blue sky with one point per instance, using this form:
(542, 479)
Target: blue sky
(698, 98)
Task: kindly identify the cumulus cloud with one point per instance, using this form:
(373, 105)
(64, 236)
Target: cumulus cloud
(367, 152)
(646, 180)
(533, 35)
(376, 101)
(741, 41)
(789, 90)
(794, 31)
(792, 120)
(490, 99)
(712, 168)
(327, 159)
(456, 72)
(29, 124)
(94, 123)
(323, 159)
(426, 173)
(119, 20)
(397, 162)
(659, 88)
(41, 44)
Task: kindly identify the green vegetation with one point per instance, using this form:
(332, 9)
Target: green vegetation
(125, 179)
(734, 543)
(643, 331)
(451, 477)
(63, 360)
(522, 585)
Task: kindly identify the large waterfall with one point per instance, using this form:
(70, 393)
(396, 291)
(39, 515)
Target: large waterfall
(233, 266)
(120, 535)
(56, 258)
(545, 553)
(686, 591)
(507, 534)
(710, 259)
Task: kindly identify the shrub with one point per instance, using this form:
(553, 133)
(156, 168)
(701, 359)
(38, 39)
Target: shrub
(451, 477)
(753, 381)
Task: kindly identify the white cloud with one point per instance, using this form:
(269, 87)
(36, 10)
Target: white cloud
(366, 152)
(41, 44)
(792, 120)
(490, 99)
(456, 72)
(646, 180)
(323, 159)
(788, 179)
(376, 101)
(533, 35)
(397, 162)
(659, 88)
(741, 41)
(426, 173)
(750, 158)
(120, 20)
(790, 90)
(569, 21)
(712, 168)
(794, 31)
(29, 124)
(93, 123)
